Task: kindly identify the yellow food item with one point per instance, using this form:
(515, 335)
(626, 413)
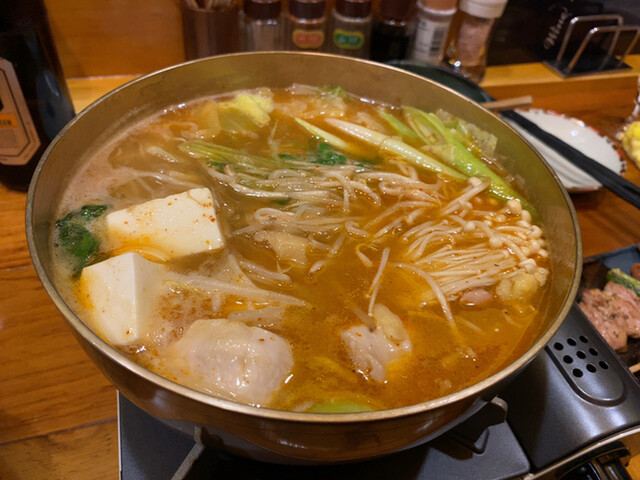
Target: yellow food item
(631, 142)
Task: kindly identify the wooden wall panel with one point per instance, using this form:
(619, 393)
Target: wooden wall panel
(119, 37)
(111, 37)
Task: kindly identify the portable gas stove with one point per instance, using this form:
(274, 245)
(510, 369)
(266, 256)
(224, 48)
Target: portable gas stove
(573, 413)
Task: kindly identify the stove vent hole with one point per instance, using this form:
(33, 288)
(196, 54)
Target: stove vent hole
(578, 357)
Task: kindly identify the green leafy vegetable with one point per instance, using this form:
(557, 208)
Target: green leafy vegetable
(217, 165)
(334, 91)
(324, 155)
(90, 212)
(74, 236)
(366, 164)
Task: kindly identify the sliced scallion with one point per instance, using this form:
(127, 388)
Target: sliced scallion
(389, 144)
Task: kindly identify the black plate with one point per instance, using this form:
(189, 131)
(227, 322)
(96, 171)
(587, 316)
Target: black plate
(594, 276)
(445, 77)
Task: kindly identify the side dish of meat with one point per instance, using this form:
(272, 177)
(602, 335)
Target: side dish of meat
(615, 310)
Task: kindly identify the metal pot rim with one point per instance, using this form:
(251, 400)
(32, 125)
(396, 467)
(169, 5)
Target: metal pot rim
(228, 405)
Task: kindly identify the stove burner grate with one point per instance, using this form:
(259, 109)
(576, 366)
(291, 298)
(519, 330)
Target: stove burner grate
(152, 450)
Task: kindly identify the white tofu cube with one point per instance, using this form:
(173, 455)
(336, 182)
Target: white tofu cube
(121, 293)
(178, 225)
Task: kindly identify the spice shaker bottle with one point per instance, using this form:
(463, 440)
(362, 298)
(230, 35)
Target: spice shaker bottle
(306, 25)
(432, 26)
(467, 49)
(351, 28)
(261, 25)
(209, 31)
(392, 30)
(34, 100)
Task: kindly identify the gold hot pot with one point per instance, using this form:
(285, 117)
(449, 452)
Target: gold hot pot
(280, 436)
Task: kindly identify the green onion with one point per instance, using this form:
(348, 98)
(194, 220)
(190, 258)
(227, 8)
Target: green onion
(331, 139)
(397, 125)
(426, 134)
(618, 276)
(217, 165)
(463, 160)
(392, 145)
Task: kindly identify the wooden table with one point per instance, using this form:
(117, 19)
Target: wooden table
(57, 411)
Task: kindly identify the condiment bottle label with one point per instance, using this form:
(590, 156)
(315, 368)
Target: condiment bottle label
(429, 40)
(19, 139)
(349, 40)
(307, 39)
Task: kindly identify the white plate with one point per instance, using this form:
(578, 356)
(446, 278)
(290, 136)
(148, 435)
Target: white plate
(580, 136)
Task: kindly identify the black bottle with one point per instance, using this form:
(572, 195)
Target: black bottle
(34, 100)
(392, 30)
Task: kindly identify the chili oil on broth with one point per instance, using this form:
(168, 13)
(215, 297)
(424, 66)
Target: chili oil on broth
(140, 165)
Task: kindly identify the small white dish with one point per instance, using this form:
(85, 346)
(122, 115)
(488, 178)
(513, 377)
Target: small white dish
(580, 136)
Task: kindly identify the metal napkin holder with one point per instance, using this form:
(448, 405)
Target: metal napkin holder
(585, 64)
